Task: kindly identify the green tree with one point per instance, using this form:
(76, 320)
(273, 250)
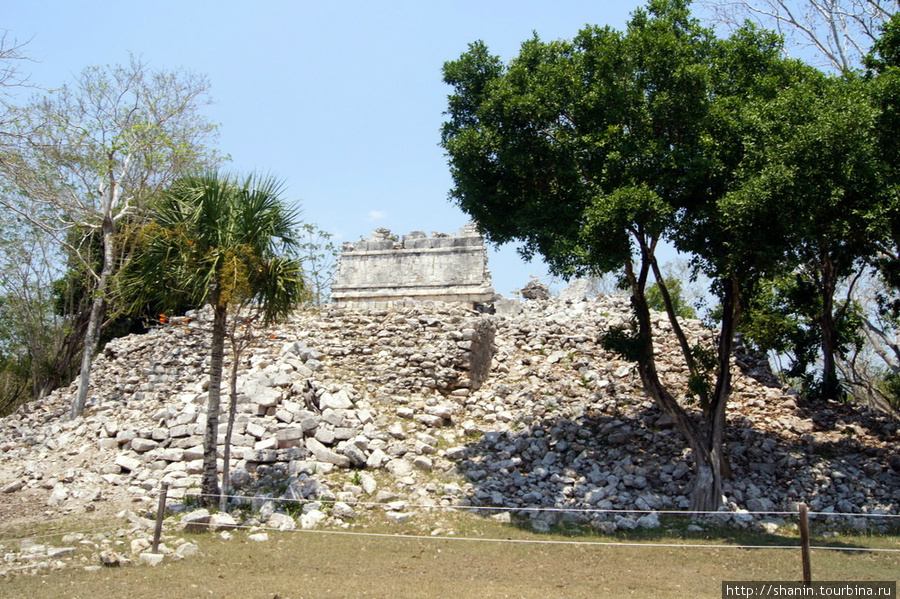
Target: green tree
(884, 73)
(591, 151)
(820, 169)
(84, 159)
(227, 242)
(675, 289)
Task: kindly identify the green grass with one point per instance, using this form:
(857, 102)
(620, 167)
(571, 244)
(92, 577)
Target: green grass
(501, 563)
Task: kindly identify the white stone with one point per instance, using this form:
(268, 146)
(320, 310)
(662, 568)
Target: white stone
(186, 550)
(143, 445)
(151, 559)
(323, 454)
(281, 522)
(311, 519)
(196, 521)
(127, 463)
(337, 401)
(222, 521)
(399, 517)
(343, 511)
(399, 467)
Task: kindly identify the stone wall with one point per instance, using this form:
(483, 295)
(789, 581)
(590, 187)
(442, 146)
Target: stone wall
(381, 271)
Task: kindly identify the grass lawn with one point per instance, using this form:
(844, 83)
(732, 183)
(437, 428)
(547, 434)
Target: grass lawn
(295, 565)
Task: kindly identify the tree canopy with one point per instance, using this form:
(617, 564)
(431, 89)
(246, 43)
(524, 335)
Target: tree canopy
(81, 162)
(591, 151)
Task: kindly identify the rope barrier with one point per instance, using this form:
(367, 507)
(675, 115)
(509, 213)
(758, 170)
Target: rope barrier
(558, 509)
(59, 534)
(552, 541)
(17, 568)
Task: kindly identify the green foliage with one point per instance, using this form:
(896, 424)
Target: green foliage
(625, 342)
(885, 52)
(80, 163)
(701, 381)
(219, 238)
(890, 387)
(778, 318)
(784, 316)
(319, 256)
(591, 151)
(676, 294)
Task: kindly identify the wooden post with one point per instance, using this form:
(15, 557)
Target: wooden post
(804, 544)
(160, 512)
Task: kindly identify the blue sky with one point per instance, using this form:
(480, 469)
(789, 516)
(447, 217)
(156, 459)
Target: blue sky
(343, 100)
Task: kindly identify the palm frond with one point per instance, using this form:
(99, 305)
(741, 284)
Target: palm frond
(214, 231)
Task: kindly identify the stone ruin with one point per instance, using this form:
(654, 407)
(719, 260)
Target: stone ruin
(381, 271)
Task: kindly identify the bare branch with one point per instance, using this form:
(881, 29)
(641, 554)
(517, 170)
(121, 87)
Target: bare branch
(833, 34)
(11, 57)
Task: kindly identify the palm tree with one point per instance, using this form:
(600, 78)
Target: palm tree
(223, 241)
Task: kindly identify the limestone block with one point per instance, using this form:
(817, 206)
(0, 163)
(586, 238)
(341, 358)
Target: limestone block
(325, 436)
(289, 437)
(193, 453)
(123, 437)
(344, 433)
(323, 454)
(172, 454)
(255, 429)
(265, 456)
(283, 415)
(429, 420)
(441, 410)
(110, 428)
(159, 434)
(260, 391)
(127, 463)
(143, 445)
(311, 519)
(107, 443)
(423, 463)
(334, 417)
(399, 467)
(281, 522)
(337, 401)
(309, 424)
(377, 459)
(180, 430)
(151, 559)
(196, 521)
(343, 511)
(356, 455)
(186, 550)
(268, 443)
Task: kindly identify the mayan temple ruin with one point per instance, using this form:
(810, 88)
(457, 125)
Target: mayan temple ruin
(382, 270)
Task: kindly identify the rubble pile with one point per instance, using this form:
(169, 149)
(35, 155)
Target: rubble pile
(431, 404)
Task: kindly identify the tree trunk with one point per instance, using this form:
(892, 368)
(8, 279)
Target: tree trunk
(830, 387)
(61, 368)
(709, 457)
(236, 347)
(706, 440)
(92, 335)
(210, 483)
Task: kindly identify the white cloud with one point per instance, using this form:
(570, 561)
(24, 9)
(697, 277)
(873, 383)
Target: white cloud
(376, 215)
